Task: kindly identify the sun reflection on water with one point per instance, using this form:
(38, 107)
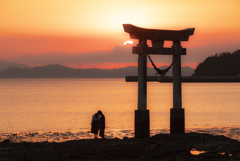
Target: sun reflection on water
(196, 152)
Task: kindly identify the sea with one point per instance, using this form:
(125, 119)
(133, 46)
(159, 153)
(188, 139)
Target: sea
(61, 109)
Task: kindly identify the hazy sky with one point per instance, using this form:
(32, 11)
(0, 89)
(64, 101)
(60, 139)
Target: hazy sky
(30, 29)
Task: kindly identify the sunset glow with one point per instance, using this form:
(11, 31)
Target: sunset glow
(37, 27)
(119, 79)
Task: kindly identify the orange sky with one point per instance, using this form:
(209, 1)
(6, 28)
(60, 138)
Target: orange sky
(34, 27)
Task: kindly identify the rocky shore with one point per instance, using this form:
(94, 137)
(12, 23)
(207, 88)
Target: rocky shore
(174, 147)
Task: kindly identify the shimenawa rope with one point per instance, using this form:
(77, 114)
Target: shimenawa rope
(159, 71)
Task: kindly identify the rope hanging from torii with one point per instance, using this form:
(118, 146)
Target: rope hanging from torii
(160, 71)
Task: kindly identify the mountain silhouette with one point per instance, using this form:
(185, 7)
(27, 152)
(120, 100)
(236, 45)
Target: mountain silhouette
(59, 71)
(4, 65)
(223, 64)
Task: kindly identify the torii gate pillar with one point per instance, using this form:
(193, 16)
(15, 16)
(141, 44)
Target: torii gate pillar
(177, 120)
(142, 124)
(177, 123)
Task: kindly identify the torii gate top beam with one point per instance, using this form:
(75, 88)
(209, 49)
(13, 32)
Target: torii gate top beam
(157, 35)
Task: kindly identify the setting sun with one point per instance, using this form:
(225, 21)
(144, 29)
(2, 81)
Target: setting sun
(128, 42)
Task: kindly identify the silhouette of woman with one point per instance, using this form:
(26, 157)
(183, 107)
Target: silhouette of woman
(95, 124)
(102, 124)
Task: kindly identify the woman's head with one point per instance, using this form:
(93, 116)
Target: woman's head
(99, 112)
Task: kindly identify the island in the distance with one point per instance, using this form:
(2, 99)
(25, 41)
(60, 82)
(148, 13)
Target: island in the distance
(59, 71)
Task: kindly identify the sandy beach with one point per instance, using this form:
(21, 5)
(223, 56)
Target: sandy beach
(188, 146)
(196, 144)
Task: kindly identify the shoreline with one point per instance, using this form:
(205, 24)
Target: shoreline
(165, 147)
(232, 132)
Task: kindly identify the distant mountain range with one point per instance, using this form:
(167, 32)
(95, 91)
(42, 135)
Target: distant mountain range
(59, 71)
(4, 65)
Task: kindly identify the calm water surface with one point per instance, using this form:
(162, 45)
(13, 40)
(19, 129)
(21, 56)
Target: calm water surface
(68, 104)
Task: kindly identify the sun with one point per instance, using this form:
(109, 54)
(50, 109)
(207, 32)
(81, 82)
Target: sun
(128, 42)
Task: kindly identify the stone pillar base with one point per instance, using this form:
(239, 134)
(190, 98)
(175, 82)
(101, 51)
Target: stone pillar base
(177, 121)
(142, 124)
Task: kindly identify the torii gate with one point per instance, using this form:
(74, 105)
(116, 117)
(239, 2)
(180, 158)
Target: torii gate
(157, 37)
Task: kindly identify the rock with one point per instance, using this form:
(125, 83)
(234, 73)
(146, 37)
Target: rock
(7, 141)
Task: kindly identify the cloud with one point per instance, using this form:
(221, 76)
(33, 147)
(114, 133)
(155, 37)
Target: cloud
(122, 54)
(199, 54)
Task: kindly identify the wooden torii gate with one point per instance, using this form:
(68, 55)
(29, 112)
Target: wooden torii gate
(157, 37)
